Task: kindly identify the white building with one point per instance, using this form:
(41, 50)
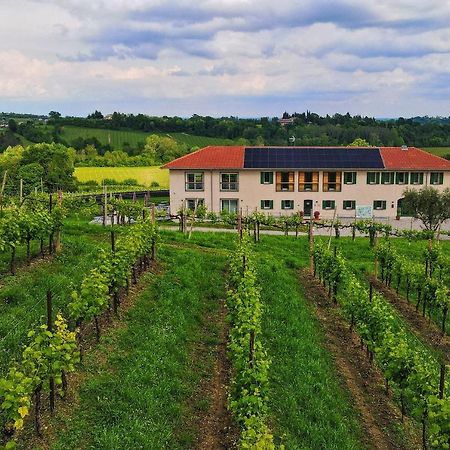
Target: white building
(283, 180)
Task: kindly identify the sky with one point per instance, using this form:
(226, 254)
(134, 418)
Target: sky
(247, 58)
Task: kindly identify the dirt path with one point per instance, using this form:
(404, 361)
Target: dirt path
(216, 427)
(427, 331)
(378, 414)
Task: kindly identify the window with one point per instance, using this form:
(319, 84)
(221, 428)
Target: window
(190, 203)
(373, 177)
(266, 177)
(328, 204)
(349, 204)
(285, 181)
(229, 205)
(387, 177)
(229, 182)
(349, 177)
(308, 181)
(287, 204)
(266, 204)
(331, 181)
(401, 177)
(379, 204)
(416, 178)
(194, 181)
(437, 178)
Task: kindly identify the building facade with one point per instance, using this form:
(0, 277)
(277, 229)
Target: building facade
(328, 181)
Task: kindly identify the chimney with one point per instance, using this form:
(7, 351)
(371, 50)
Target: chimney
(404, 147)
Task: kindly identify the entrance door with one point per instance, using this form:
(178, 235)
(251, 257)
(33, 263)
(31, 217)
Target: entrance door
(307, 207)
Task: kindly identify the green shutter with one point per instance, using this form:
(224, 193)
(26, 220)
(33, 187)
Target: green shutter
(262, 177)
(271, 178)
(441, 178)
(421, 178)
(271, 204)
(262, 204)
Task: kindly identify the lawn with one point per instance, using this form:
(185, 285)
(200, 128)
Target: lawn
(439, 151)
(143, 175)
(118, 137)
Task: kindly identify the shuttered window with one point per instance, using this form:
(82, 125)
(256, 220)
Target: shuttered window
(285, 181)
(332, 181)
(266, 177)
(308, 181)
(266, 204)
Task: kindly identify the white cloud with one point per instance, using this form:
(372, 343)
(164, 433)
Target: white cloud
(367, 58)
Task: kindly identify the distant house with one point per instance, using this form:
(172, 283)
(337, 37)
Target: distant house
(281, 180)
(284, 122)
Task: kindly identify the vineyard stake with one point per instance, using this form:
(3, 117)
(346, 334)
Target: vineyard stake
(50, 328)
(442, 382)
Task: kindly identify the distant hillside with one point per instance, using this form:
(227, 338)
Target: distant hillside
(117, 138)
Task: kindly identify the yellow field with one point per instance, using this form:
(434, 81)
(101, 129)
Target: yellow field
(143, 175)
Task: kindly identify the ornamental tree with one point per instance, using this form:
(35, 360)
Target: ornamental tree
(429, 205)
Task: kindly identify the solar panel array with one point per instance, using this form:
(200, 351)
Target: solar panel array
(312, 158)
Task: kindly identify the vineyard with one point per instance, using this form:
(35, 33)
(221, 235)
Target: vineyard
(138, 336)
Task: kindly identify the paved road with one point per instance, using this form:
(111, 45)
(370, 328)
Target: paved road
(405, 223)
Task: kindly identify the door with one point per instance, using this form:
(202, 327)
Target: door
(307, 207)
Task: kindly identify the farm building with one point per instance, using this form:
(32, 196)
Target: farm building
(324, 180)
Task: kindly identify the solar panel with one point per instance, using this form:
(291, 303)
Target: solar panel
(312, 158)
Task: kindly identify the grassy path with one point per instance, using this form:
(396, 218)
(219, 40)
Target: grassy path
(140, 388)
(309, 408)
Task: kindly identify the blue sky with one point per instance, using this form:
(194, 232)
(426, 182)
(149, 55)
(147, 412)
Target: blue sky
(384, 58)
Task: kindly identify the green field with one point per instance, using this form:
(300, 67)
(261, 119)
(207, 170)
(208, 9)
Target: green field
(439, 151)
(117, 138)
(144, 175)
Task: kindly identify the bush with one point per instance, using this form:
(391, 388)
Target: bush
(154, 184)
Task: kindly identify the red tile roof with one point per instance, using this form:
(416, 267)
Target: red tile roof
(412, 159)
(211, 157)
(232, 157)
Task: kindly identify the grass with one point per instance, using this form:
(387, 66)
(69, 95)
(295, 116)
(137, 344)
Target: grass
(439, 151)
(308, 408)
(137, 399)
(143, 175)
(117, 138)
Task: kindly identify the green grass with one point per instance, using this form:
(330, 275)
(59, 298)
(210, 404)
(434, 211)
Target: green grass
(144, 175)
(118, 137)
(439, 151)
(139, 398)
(308, 407)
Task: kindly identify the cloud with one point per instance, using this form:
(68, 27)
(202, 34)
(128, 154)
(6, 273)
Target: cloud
(365, 57)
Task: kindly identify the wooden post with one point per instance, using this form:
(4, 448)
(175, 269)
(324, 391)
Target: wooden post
(153, 213)
(251, 348)
(20, 191)
(113, 241)
(193, 218)
(58, 231)
(442, 382)
(311, 245)
(50, 328)
(105, 203)
(50, 239)
(2, 191)
(239, 224)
